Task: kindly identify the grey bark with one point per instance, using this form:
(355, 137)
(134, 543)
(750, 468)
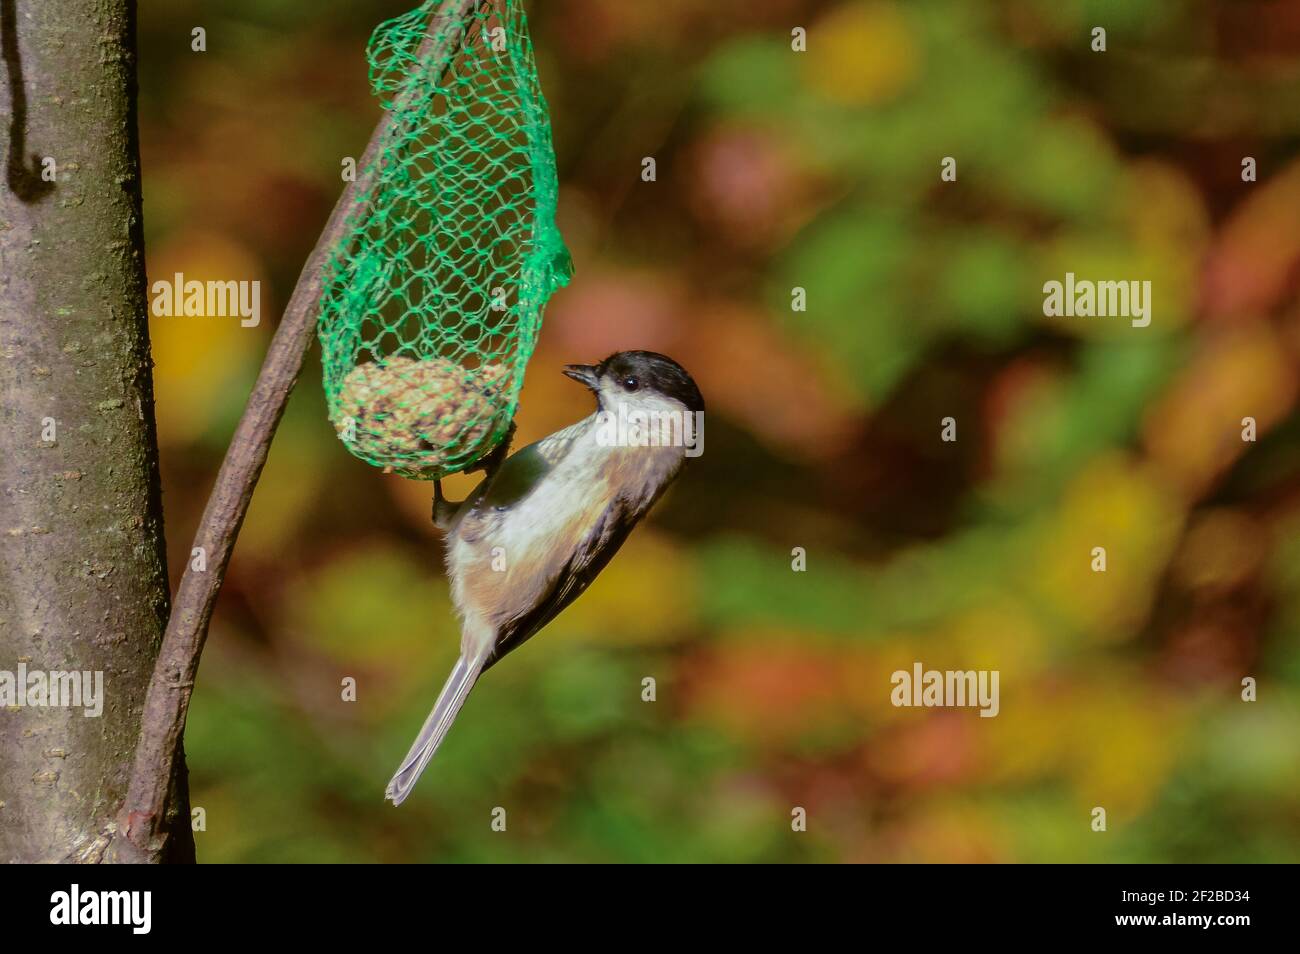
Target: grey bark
(83, 580)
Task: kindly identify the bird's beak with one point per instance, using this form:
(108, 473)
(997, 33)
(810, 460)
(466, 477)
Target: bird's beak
(583, 374)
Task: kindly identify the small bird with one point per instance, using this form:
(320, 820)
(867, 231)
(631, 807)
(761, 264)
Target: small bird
(545, 521)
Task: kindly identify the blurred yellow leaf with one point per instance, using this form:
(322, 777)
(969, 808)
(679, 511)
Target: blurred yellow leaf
(1125, 740)
(1099, 256)
(1122, 507)
(861, 53)
(1162, 208)
(1000, 634)
(196, 359)
(286, 493)
(1115, 738)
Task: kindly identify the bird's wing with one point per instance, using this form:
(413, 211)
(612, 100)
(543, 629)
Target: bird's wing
(514, 480)
(594, 551)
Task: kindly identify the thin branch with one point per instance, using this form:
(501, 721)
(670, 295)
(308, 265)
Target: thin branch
(141, 829)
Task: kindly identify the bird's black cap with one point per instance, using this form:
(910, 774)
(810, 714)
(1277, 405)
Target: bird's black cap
(656, 371)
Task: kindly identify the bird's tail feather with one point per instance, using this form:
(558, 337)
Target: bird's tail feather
(452, 697)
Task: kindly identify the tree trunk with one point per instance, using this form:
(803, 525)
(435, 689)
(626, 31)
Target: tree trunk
(83, 578)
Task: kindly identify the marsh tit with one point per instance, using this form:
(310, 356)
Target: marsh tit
(544, 522)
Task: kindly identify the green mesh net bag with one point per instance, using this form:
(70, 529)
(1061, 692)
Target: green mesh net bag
(433, 299)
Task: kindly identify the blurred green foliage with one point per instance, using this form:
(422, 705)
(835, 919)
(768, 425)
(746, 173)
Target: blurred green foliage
(777, 170)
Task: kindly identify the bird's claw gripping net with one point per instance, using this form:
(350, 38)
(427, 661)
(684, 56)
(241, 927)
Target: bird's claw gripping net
(433, 298)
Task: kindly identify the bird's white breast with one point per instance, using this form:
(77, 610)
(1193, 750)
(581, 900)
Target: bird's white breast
(516, 554)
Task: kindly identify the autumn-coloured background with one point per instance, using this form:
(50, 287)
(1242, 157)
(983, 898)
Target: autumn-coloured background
(779, 169)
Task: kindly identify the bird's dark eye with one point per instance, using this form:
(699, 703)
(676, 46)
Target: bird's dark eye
(631, 384)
